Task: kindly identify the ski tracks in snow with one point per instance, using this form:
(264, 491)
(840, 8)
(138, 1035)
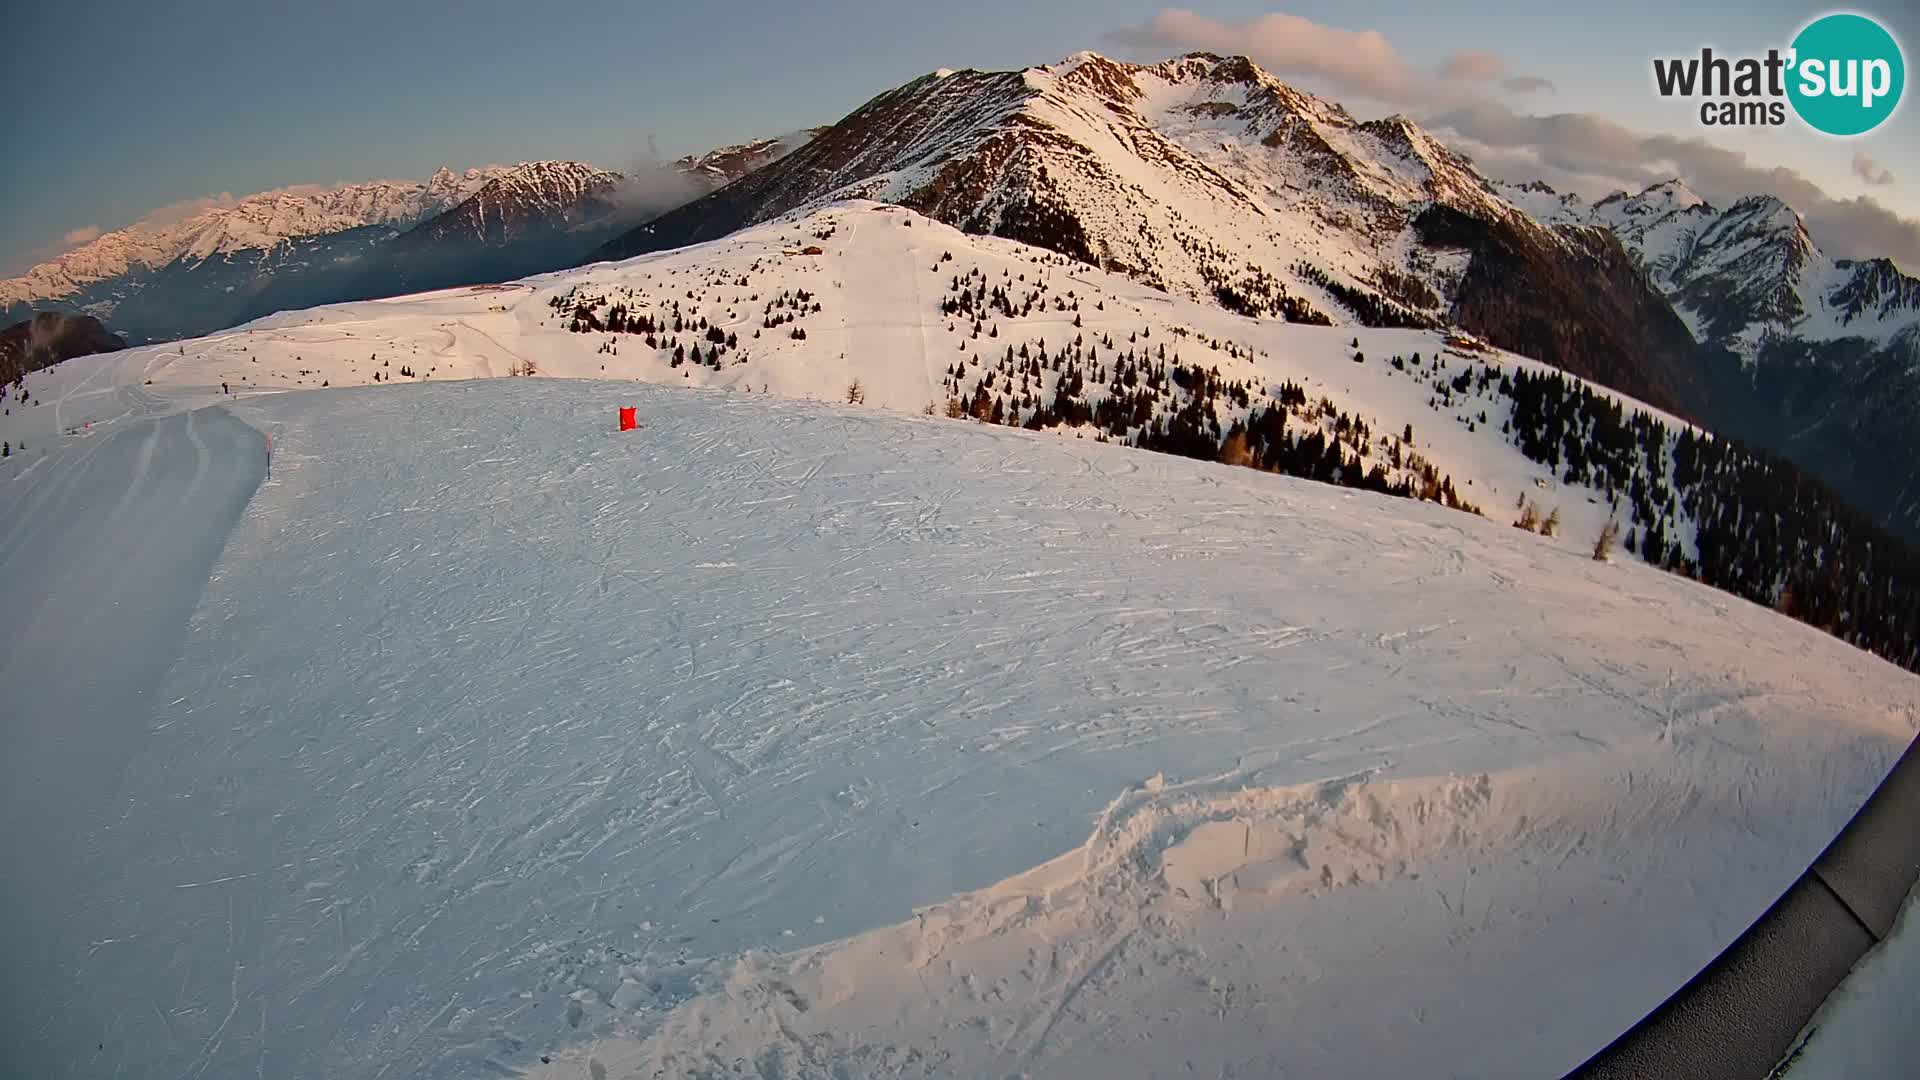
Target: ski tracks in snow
(105, 555)
(609, 737)
(1192, 932)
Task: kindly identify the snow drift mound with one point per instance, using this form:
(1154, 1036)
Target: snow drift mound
(1198, 931)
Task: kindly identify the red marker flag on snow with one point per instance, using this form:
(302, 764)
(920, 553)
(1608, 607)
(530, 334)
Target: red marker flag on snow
(629, 418)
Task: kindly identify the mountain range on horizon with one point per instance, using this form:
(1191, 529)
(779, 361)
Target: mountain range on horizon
(163, 279)
(1202, 176)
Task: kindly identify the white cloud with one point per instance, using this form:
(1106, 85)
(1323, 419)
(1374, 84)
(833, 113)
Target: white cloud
(1357, 62)
(1529, 84)
(175, 212)
(1870, 170)
(1361, 62)
(1473, 65)
(649, 188)
(21, 262)
(73, 238)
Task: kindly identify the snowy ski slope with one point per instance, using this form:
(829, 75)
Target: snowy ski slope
(820, 741)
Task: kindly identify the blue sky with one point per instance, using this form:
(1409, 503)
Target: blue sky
(133, 105)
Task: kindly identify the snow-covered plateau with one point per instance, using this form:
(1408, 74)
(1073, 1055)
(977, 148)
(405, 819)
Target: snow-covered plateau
(787, 736)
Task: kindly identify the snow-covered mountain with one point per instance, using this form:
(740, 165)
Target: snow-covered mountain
(1206, 177)
(1105, 159)
(1806, 355)
(723, 165)
(531, 218)
(164, 279)
(1747, 273)
(531, 196)
(255, 223)
(161, 279)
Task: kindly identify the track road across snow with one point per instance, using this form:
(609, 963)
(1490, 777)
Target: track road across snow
(104, 551)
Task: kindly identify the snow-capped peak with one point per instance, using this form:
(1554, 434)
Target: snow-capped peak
(1621, 210)
(1676, 192)
(1769, 213)
(1073, 63)
(725, 164)
(1742, 273)
(530, 194)
(1673, 193)
(1202, 174)
(550, 179)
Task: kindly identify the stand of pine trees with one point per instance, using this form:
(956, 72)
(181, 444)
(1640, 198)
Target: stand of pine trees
(661, 330)
(1763, 530)
(1372, 309)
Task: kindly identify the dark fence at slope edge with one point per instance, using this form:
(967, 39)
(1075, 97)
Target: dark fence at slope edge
(1739, 1017)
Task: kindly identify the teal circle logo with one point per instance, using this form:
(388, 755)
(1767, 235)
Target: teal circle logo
(1847, 74)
